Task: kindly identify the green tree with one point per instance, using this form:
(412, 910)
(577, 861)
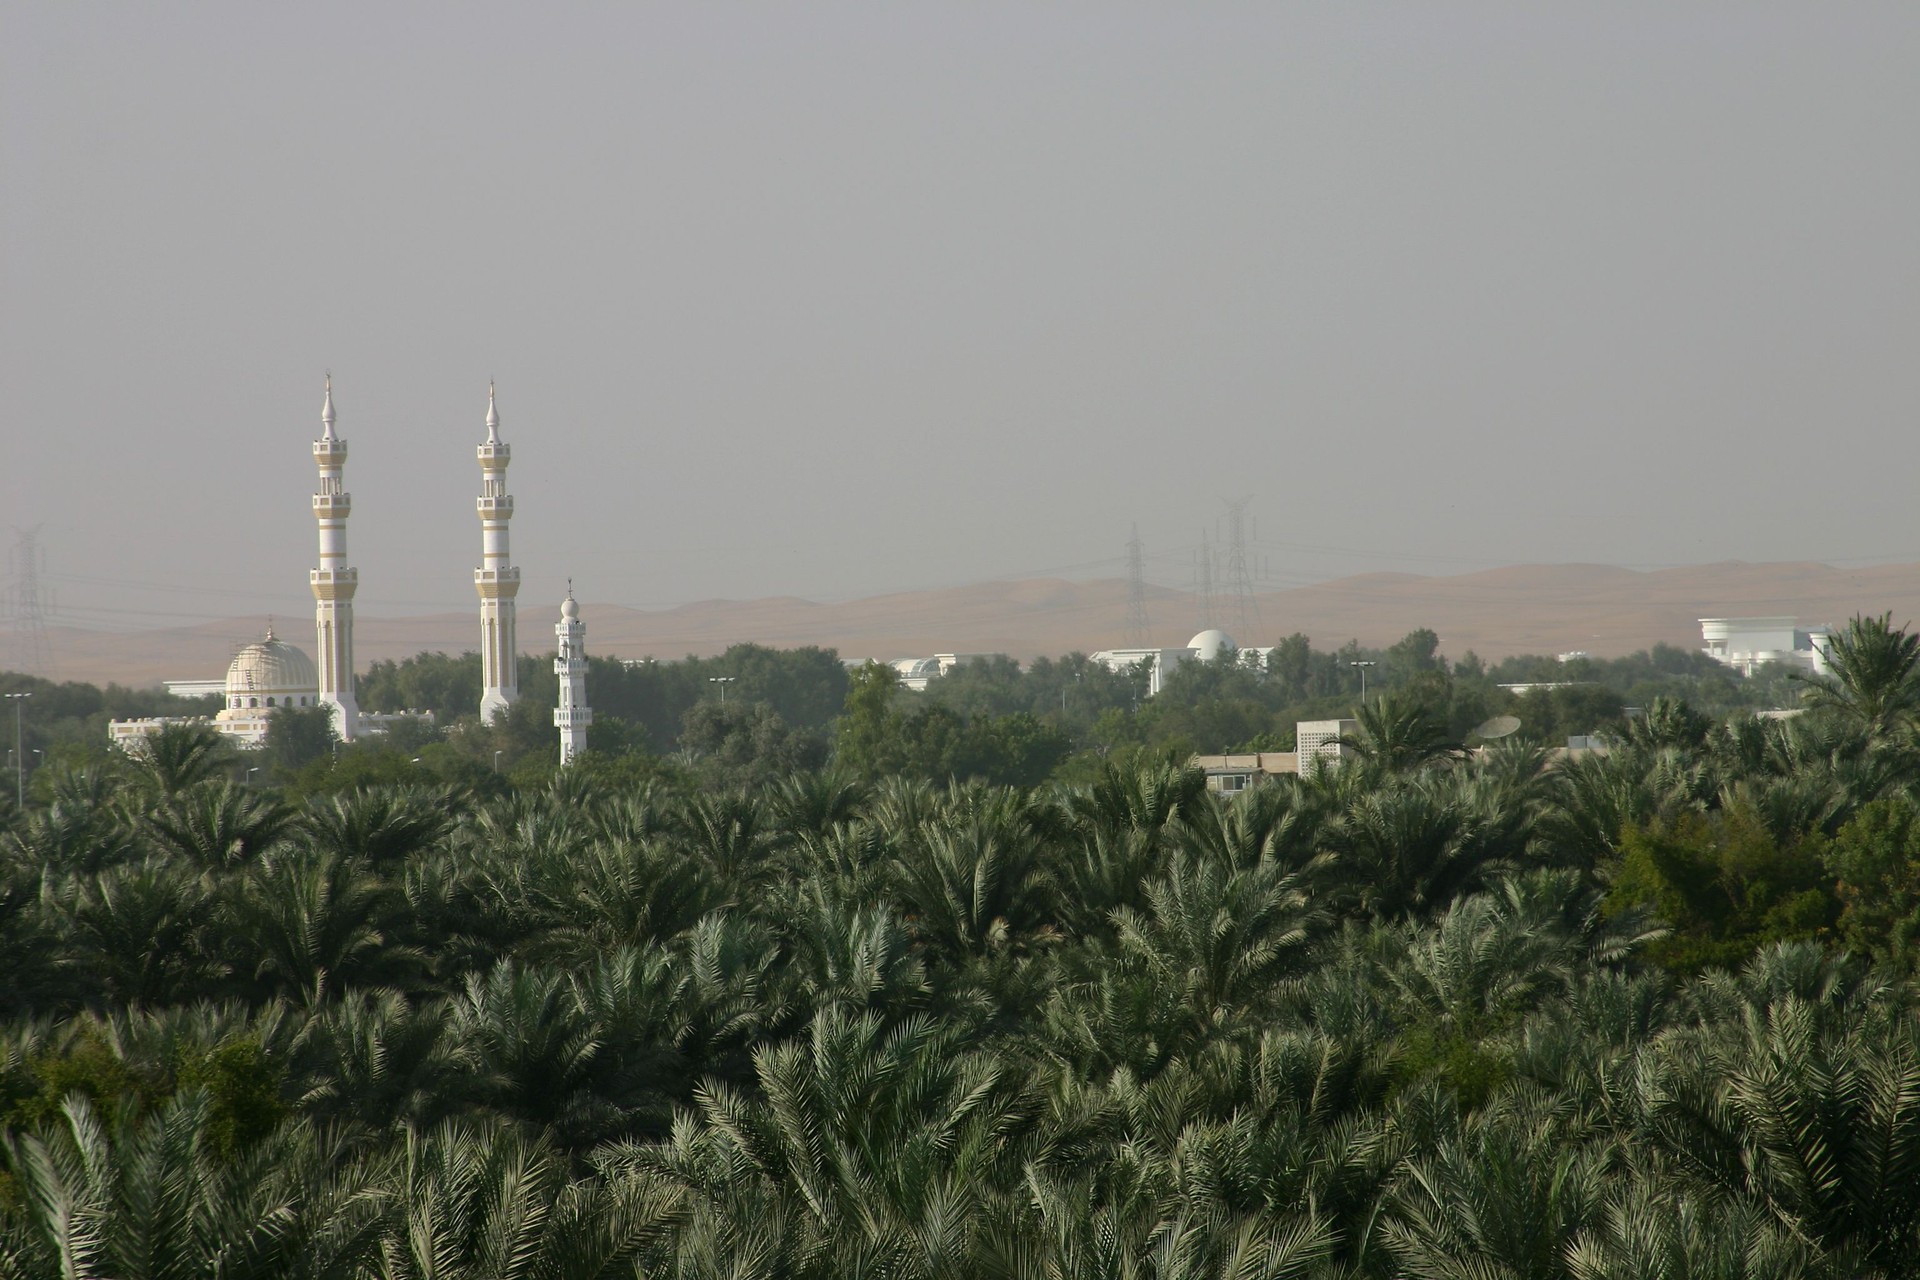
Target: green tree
(1873, 675)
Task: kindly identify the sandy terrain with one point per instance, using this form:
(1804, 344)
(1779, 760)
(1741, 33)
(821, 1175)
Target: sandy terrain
(1522, 609)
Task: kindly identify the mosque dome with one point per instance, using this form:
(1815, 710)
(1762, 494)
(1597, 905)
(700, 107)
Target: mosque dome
(271, 673)
(569, 608)
(1209, 645)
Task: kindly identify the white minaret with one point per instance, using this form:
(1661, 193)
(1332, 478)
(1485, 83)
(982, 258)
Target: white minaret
(573, 715)
(497, 581)
(333, 582)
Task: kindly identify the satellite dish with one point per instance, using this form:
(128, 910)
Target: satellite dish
(1498, 727)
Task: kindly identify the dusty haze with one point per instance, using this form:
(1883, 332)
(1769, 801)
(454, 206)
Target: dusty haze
(837, 300)
(1496, 613)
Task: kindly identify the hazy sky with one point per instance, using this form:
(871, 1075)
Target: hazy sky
(829, 300)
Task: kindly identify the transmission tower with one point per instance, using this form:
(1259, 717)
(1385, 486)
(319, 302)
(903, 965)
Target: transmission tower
(1136, 592)
(1203, 581)
(28, 608)
(1239, 572)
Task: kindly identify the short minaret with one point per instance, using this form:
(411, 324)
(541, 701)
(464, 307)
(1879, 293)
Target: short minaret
(573, 715)
(334, 582)
(497, 581)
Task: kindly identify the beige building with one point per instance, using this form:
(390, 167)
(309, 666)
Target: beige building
(264, 677)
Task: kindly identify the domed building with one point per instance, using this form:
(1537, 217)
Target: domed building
(1210, 644)
(263, 677)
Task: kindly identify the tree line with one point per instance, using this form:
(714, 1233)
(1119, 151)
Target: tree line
(753, 714)
(1431, 1012)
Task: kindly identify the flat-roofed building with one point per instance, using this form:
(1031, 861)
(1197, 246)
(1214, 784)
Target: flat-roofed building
(1747, 644)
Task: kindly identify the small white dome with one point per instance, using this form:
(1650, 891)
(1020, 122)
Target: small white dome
(273, 668)
(569, 609)
(1209, 645)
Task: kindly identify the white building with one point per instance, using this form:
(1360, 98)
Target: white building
(1746, 644)
(195, 688)
(1319, 740)
(573, 715)
(262, 678)
(1208, 646)
(916, 673)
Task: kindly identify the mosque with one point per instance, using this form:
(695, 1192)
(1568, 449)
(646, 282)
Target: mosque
(270, 674)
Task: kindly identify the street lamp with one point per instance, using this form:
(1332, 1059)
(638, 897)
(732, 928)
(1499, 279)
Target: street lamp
(1363, 679)
(723, 682)
(19, 756)
(496, 760)
(250, 772)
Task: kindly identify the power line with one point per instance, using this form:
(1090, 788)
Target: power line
(1136, 592)
(1203, 581)
(30, 606)
(1246, 610)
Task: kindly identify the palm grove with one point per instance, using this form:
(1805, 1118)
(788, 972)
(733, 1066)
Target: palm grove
(834, 981)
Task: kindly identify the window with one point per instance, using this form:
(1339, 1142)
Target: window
(1234, 781)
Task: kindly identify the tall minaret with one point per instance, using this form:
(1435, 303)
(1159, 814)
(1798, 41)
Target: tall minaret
(497, 581)
(333, 582)
(573, 715)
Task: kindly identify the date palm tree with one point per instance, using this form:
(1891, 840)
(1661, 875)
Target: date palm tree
(179, 757)
(149, 1198)
(309, 925)
(219, 826)
(144, 932)
(1873, 676)
(377, 1059)
(485, 1202)
(868, 1147)
(1397, 734)
(1503, 1192)
(1215, 939)
(380, 827)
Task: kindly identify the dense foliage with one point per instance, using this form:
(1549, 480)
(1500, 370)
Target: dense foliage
(1646, 1013)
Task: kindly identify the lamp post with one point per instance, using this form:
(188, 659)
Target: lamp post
(1363, 679)
(19, 756)
(496, 760)
(723, 682)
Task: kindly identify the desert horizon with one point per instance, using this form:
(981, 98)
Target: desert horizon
(1525, 608)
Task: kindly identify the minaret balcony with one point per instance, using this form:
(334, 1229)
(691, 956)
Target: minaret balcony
(495, 451)
(330, 453)
(333, 504)
(500, 508)
(333, 584)
(497, 584)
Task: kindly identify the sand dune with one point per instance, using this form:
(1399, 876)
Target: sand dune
(1498, 612)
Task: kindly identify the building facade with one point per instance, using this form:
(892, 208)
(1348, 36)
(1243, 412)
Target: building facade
(1748, 644)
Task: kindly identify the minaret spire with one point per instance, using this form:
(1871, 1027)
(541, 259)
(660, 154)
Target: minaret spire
(334, 582)
(573, 715)
(496, 580)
